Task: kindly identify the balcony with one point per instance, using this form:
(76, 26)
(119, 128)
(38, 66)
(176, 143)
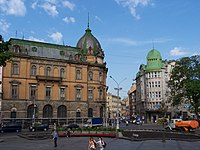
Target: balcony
(48, 78)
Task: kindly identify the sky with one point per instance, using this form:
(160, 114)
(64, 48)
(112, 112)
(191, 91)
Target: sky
(126, 29)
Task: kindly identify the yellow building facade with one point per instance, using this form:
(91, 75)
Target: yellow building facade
(46, 80)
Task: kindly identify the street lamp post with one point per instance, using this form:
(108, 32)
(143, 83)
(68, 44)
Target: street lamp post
(118, 89)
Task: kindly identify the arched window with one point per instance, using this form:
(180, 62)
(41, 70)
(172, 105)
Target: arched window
(15, 68)
(31, 111)
(13, 113)
(90, 75)
(48, 71)
(90, 112)
(62, 72)
(47, 111)
(78, 113)
(78, 74)
(62, 111)
(33, 70)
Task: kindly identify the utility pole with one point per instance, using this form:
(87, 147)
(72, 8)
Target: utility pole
(118, 99)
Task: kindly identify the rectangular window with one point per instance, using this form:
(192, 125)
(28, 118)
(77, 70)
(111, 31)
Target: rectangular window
(48, 92)
(100, 94)
(14, 91)
(90, 94)
(15, 68)
(159, 94)
(62, 93)
(78, 94)
(32, 92)
(158, 83)
(100, 76)
(33, 70)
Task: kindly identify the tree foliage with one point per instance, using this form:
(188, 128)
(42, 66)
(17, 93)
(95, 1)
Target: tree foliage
(4, 53)
(185, 81)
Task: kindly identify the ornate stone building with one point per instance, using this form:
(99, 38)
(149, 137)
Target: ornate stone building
(46, 80)
(113, 105)
(152, 92)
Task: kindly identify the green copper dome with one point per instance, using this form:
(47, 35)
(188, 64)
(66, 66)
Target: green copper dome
(154, 61)
(89, 42)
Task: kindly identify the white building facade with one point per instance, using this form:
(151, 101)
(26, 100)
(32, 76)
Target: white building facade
(152, 90)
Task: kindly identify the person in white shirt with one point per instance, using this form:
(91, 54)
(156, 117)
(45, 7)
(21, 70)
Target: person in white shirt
(100, 143)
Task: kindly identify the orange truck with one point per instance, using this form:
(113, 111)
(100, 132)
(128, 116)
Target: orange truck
(182, 125)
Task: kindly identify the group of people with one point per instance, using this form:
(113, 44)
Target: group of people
(93, 145)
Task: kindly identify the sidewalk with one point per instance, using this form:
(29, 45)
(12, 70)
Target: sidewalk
(80, 143)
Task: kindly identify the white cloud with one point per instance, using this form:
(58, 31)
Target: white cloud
(34, 4)
(56, 37)
(125, 41)
(13, 7)
(132, 42)
(4, 25)
(98, 18)
(69, 5)
(51, 1)
(50, 9)
(69, 20)
(177, 51)
(31, 38)
(133, 4)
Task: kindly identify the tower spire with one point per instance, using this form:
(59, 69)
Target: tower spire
(88, 24)
(88, 21)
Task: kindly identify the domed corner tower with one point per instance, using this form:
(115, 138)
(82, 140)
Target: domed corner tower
(154, 61)
(90, 48)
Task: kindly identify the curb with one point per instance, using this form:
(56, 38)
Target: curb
(89, 135)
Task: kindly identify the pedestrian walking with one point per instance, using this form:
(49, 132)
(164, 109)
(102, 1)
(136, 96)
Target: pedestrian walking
(55, 138)
(68, 132)
(92, 144)
(101, 144)
(126, 122)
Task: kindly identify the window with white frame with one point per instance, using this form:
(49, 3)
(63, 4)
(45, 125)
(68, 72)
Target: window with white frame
(62, 92)
(90, 94)
(78, 94)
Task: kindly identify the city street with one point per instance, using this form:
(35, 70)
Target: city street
(13, 142)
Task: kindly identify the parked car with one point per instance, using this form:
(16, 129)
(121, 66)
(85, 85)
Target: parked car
(11, 127)
(71, 126)
(39, 127)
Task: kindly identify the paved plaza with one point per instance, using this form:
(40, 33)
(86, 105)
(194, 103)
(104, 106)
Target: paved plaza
(14, 142)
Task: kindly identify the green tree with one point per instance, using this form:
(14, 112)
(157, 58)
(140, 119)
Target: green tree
(185, 81)
(4, 53)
